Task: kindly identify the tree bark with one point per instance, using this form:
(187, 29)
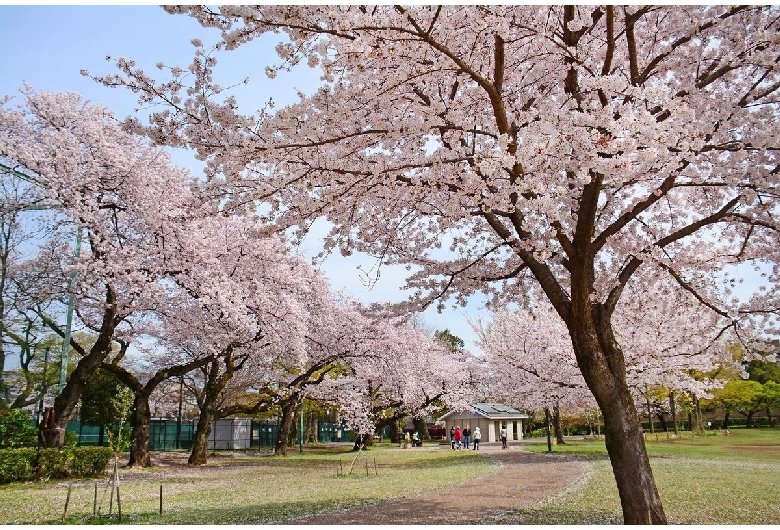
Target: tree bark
(673, 406)
(139, 439)
(362, 441)
(50, 434)
(312, 426)
(422, 429)
(285, 426)
(603, 367)
(65, 403)
(200, 437)
(557, 424)
(662, 421)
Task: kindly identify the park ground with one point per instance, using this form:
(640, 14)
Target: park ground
(712, 479)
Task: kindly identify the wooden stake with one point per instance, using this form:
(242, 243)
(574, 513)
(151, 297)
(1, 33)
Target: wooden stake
(94, 503)
(118, 504)
(67, 501)
(160, 500)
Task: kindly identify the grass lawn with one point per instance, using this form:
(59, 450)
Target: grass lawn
(711, 479)
(242, 490)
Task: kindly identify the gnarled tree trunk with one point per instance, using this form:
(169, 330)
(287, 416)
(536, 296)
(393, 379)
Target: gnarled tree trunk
(285, 425)
(139, 439)
(53, 434)
(602, 363)
(200, 437)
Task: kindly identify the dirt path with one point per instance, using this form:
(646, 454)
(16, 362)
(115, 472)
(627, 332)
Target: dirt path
(522, 479)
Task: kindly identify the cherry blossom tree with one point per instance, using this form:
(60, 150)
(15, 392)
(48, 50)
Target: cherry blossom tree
(554, 151)
(143, 386)
(671, 342)
(402, 372)
(242, 305)
(529, 362)
(120, 194)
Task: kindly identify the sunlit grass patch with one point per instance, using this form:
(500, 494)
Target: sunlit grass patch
(701, 480)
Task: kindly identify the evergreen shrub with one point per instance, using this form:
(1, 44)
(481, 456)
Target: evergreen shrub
(18, 465)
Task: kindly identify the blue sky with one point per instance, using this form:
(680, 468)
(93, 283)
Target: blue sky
(48, 46)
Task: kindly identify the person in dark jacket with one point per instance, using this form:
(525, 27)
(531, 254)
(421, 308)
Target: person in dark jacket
(458, 438)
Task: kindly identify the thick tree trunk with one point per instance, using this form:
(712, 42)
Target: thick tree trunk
(50, 434)
(726, 418)
(557, 424)
(603, 367)
(395, 433)
(310, 435)
(200, 437)
(662, 421)
(285, 426)
(362, 441)
(673, 406)
(697, 415)
(139, 440)
(65, 403)
(422, 429)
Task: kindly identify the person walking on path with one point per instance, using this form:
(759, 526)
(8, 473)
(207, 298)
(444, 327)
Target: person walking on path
(503, 437)
(458, 438)
(477, 436)
(452, 436)
(466, 437)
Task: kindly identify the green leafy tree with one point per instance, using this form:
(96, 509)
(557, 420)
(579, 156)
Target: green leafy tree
(118, 434)
(770, 395)
(98, 406)
(107, 402)
(16, 430)
(740, 395)
(453, 342)
(763, 371)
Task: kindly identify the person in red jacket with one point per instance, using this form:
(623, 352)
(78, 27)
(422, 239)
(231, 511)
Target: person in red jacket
(457, 438)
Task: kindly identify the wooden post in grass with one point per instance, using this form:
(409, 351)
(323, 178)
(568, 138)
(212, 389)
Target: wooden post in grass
(160, 500)
(67, 501)
(118, 504)
(94, 502)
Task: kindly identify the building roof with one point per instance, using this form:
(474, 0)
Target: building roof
(493, 411)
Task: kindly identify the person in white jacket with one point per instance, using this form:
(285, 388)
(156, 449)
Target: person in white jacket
(477, 435)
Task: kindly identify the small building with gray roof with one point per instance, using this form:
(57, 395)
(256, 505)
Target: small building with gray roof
(490, 418)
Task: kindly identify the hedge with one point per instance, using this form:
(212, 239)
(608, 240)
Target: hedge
(18, 465)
